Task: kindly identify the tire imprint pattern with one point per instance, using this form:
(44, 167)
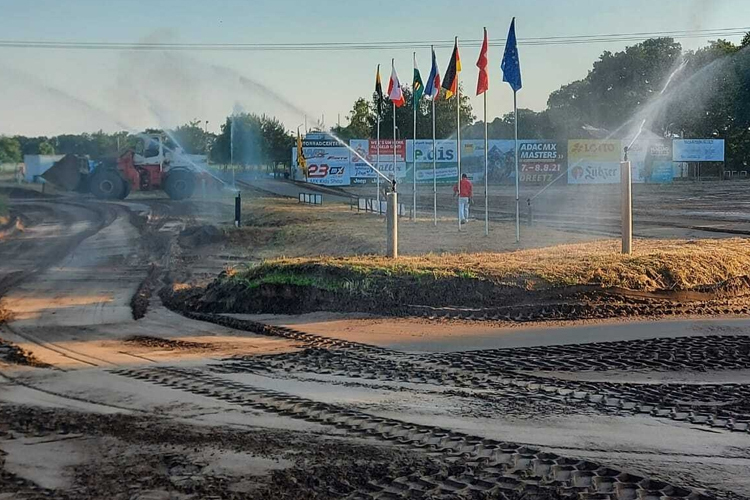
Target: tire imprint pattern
(490, 466)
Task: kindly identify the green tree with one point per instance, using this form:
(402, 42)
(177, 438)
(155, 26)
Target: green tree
(445, 117)
(46, 148)
(361, 121)
(617, 87)
(192, 137)
(249, 139)
(10, 150)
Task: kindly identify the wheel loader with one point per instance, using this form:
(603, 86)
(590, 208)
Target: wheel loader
(147, 168)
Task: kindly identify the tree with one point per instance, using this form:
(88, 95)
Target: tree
(361, 121)
(45, 148)
(192, 137)
(276, 141)
(445, 117)
(618, 86)
(10, 150)
(249, 139)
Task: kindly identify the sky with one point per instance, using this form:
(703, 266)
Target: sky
(53, 91)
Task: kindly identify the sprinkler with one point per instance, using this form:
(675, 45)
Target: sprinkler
(237, 209)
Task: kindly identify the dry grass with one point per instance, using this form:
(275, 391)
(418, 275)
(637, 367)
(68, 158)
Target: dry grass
(281, 227)
(654, 265)
(305, 237)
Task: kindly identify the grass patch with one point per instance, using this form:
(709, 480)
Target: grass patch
(654, 265)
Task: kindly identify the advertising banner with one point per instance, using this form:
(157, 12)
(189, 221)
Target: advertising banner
(362, 173)
(594, 161)
(541, 162)
(651, 161)
(698, 150)
(326, 165)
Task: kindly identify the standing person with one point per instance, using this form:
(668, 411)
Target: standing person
(464, 191)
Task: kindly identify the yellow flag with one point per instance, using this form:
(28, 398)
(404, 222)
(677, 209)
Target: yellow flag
(301, 160)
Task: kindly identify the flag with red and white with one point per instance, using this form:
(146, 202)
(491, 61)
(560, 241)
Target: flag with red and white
(395, 94)
(483, 83)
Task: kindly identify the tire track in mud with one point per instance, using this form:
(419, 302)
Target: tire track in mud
(487, 466)
(719, 406)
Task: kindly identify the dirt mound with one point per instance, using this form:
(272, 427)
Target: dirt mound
(161, 343)
(303, 288)
(196, 236)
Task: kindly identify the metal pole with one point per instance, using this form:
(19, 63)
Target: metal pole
(627, 208)
(515, 122)
(486, 168)
(434, 165)
(391, 217)
(238, 209)
(394, 140)
(414, 157)
(458, 144)
(377, 162)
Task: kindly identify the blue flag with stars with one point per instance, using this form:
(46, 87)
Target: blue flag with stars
(511, 66)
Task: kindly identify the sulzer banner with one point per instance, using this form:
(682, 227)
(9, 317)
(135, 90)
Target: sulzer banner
(593, 161)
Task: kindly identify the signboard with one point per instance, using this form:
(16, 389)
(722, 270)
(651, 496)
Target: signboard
(362, 173)
(326, 165)
(698, 150)
(541, 162)
(594, 162)
(651, 161)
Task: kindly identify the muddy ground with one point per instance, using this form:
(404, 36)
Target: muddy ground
(128, 398)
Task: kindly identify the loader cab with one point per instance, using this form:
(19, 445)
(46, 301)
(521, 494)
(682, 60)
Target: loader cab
(150, 151)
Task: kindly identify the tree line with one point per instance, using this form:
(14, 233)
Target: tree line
(708, 97)
(256, 140)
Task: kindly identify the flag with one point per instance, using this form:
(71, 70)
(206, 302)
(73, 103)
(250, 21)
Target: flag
(417, 86)
(433, 82)
(483, 83)
(450, 82)
(511, 65)
(394, 89)
(301, 160)
(379, 89)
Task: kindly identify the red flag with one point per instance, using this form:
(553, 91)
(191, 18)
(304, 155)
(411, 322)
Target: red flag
(394, 89)
(484, 80)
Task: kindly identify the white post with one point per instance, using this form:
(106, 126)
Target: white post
(434, 165)
(486, 169)
(627, 208)
(515, 122)
(391, 217)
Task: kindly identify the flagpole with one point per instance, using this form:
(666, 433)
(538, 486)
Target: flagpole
(486, 189)
(515, 122)
(434, 165)
(394, 141)
(458, 141)
(377, 162)
(414, 152)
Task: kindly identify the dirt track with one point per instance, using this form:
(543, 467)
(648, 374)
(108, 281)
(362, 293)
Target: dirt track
(212, 406)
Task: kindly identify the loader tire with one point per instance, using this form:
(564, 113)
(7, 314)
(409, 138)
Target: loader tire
(107, 185)
(180, 184)
(125, 190)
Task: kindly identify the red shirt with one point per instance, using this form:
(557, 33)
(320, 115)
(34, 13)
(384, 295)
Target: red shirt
(466, 188)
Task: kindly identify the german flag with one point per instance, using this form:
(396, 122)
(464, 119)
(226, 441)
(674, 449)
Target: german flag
(450, 81)
(379, 89)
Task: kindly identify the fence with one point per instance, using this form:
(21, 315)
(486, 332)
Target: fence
(371, 205)
(311, 198)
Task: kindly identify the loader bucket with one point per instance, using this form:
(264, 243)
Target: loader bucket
(68, 173)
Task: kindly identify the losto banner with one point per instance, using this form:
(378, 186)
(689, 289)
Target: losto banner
(594, 161)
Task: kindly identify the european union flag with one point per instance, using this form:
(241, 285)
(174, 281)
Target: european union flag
(511, 66)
